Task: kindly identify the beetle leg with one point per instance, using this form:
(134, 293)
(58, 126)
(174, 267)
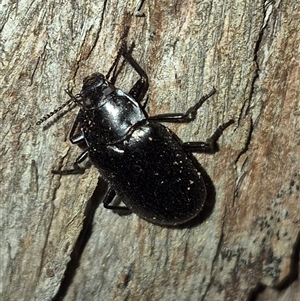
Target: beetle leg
(76, 168)
(140, 88)
(109, 197)
(72, 136)
(183, 117)
(77, 138)
(210, 146)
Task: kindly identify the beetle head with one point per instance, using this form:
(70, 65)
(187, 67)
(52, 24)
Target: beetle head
(95, 88)
(93, 81)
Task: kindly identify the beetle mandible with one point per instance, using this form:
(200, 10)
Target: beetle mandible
(144, 162)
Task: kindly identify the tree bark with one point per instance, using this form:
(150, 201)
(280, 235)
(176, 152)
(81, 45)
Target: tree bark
(57, 240)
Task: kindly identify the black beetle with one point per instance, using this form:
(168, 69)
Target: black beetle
(143, 161)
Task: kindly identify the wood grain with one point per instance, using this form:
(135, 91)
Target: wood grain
(248, 240)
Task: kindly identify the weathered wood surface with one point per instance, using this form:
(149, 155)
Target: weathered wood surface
(248, 50)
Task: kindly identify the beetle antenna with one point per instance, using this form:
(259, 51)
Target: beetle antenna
(47, 116)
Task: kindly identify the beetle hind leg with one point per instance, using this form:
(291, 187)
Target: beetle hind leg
(109, 197)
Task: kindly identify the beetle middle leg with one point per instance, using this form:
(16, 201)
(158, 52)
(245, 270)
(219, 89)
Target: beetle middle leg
(210, 146)
(188, 116)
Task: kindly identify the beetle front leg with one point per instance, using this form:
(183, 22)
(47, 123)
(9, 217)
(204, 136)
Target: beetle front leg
(183, 117)
(140, 88)
(75, 139)
(78, 137)
(210, 146)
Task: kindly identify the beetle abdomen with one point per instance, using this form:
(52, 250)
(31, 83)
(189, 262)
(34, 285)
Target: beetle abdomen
(167, 188)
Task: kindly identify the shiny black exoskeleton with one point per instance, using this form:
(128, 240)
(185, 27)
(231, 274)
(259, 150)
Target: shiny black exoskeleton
(143, 161)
